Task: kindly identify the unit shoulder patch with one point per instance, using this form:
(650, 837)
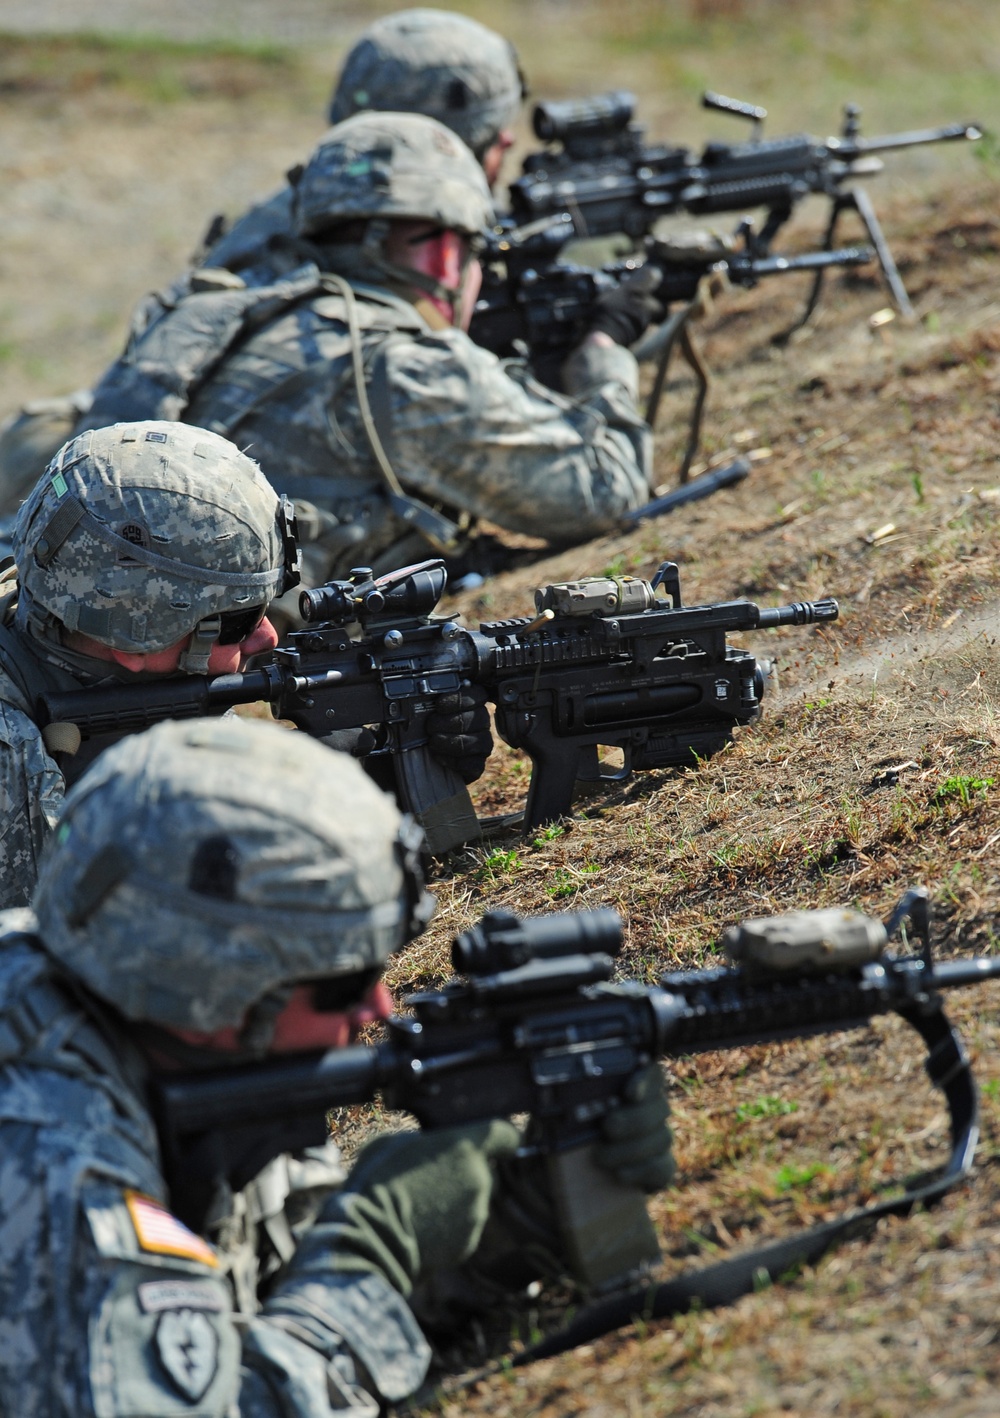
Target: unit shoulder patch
(187, 1347)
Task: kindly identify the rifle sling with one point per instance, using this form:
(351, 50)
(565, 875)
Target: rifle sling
(722, 1284)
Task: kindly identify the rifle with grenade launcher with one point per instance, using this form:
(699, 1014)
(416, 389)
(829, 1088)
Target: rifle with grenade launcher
(607, 661)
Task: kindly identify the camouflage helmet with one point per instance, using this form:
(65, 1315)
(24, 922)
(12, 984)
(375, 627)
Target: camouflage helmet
(208, 865)
(392, 166)
(138, 534)
(443, 65)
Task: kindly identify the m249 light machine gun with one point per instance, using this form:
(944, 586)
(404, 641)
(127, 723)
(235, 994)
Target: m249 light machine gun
(605, 661)
(598, 168)
(537, 1026)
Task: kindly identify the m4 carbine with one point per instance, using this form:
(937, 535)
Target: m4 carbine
(538, 1026)
(598, 169)
(604, 661)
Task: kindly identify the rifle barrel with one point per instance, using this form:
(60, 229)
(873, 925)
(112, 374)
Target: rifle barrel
(813, 260)
(950, 132)
(951, 974)
(693, 491)
(799, 613)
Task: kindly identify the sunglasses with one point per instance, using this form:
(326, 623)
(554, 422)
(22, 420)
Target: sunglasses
(236, 626)
(337, 993)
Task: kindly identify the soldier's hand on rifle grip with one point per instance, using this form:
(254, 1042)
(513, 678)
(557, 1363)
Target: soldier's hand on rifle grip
(627, 312)
(458, 732)
(638, 1143)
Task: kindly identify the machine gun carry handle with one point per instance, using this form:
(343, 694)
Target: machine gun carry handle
(736, 106)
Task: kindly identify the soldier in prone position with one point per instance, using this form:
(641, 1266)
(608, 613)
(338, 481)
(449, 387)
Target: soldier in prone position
(359, 390)
(147, 549)
(205, 902)
(415, 61)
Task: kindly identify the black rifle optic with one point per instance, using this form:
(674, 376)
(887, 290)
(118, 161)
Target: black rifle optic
(605, 661)
(598, 169)
(537, 1026)
(533, 301)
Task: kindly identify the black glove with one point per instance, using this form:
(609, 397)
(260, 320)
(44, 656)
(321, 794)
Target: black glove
(626, 312)
(637, 1148)
(458, 731)
(521, 1240)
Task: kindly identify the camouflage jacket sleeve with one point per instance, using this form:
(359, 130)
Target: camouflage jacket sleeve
(483, 436)
(362, 1327)
(350, 1337)
(110, 1307)
(31, 794)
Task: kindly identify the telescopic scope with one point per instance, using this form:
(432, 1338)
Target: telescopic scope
(503, 941)
(602, 116)
(414, 590)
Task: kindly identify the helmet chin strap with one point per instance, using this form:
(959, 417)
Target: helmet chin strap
(258, 1027)
(194, 660)
(373, 251)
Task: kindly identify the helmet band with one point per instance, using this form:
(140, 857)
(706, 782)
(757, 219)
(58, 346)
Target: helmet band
(128, 550)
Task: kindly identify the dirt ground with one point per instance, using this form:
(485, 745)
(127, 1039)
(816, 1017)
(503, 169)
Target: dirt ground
(875, 767)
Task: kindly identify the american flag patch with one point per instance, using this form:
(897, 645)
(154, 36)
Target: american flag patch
(162, 1233)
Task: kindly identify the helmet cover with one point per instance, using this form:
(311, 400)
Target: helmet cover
(444, 65)
(205, 864)
(138, 532)
(394, 166)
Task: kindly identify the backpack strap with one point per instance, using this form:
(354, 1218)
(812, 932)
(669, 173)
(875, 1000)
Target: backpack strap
(434, 527)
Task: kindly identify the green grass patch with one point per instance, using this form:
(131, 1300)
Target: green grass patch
(568, 882)
(767, 1106)
(962, 788)
(499, 863)
(788, 1178)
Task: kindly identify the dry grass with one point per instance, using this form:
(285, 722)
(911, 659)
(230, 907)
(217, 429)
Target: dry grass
(877, 767)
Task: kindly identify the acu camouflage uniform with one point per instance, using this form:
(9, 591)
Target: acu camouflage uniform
(420, 61)
(273, 368)
(109, 1305)
(175, 525)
